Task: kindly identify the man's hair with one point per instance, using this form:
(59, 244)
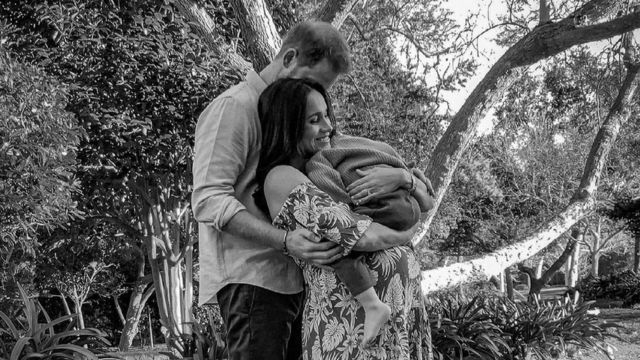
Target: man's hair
(282, 110)
(317, 40)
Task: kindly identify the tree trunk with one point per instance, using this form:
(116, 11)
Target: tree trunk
(116, 303)
(636, 256)
(574, 269)
(335, 11)
(139, 297)
(77, 304)
(595, 264)
(205, 27)
(482, 268)
(508, 279)
(543, 41)
(258, 31)
(580, 204)
(65, 304)
(539, 268)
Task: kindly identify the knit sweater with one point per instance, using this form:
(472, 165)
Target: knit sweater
(332, 170)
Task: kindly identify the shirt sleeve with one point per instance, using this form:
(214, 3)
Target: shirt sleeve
(224, 135)
(313, 209)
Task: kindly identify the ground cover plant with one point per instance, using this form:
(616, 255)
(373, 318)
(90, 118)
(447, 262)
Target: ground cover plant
(494, 327)
(31, 334)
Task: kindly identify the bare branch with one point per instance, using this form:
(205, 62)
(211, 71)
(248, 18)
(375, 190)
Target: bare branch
(580, 205)
(543, 41)
(544, 11)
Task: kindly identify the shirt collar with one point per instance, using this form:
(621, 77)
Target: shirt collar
(255, 81)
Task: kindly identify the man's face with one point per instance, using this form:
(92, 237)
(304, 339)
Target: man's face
(322, 72)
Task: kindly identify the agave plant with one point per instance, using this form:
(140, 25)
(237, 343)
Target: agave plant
(39, 340)
(463, 330)
(546, 330)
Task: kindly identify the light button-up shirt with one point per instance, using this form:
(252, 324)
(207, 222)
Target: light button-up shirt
(227, 149)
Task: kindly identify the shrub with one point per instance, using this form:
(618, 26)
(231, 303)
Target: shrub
(37, 154)
(618, 286)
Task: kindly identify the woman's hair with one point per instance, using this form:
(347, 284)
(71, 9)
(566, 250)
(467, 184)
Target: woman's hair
(282, 110)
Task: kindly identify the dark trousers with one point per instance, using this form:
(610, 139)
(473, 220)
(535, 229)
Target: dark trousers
(261, 324)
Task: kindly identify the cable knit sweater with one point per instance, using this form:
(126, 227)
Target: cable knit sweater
(332, 170)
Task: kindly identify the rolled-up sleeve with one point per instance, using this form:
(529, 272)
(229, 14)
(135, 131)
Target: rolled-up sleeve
(223, 138)
(313, 209)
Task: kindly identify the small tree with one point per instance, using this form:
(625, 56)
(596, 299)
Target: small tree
(39, 141)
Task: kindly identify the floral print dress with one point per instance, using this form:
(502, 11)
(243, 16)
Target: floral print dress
(333, 322)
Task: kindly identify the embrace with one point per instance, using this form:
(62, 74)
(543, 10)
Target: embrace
(304, 232)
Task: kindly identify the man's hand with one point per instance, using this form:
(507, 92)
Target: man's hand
(305, 245)
(376, 182)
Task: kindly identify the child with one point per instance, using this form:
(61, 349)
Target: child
(333, 170)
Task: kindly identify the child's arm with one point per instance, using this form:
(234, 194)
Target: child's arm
(423, 192)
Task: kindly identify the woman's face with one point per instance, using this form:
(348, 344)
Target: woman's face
(317, 125)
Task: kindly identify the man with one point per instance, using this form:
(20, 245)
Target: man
(243, 261)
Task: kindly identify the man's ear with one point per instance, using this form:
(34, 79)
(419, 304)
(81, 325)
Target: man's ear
(289, 57)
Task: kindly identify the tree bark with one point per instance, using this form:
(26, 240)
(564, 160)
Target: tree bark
(137, 302)
(541, 279)
(576, 236)
(482, 268)
(580, 204)
(508, 279)
(258, 31)
(636, 256)
(335, 11)
(543, 41)
(116, 303)
(78, 309)
(595, 264)
(574, 270)
(204, 26)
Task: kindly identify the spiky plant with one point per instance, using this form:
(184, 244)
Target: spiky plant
(32, 339)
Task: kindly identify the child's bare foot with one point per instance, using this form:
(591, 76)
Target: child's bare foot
(375, 316)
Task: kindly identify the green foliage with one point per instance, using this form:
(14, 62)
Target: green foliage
(464, 330)
(37, 155)
(207, 331)
(29, 338)
(498, 328)
(619, 286)
(138, 78)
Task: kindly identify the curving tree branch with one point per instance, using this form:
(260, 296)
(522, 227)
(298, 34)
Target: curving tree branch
(543, 41)
(335, 11)
(580, 205)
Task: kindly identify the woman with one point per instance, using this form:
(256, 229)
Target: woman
(296, 123)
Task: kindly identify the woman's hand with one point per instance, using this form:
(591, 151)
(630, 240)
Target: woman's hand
(376, 182)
